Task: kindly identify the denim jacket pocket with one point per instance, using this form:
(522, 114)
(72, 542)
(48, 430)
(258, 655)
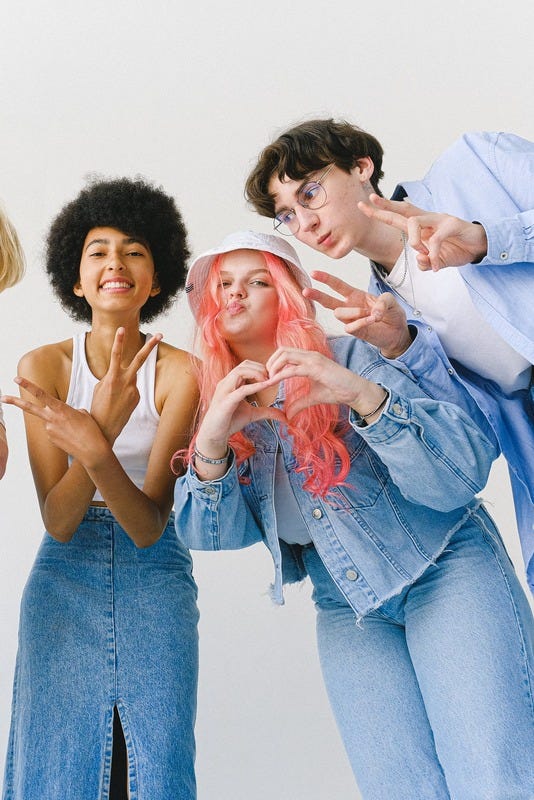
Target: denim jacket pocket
(371, 478)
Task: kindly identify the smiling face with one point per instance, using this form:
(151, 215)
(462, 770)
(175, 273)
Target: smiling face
(338, 226)
(116, 271)
(249, 301)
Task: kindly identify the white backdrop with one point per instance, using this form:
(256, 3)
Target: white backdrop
(187, 95)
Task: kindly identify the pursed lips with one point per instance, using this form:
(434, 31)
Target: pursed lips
(323, 238)
(234, 307)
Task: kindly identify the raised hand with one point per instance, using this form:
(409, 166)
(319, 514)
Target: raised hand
(116, 395)
(73, 431)
(378, 320)
(440, 240)
(329, 382)
(230, 411)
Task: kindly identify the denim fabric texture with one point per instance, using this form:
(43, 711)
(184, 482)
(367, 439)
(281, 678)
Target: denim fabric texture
(103, 624)
(413, 476)
(500, 195)
(433, 692)
(424, 633)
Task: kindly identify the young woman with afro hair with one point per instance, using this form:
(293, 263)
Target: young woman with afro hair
(108, 628)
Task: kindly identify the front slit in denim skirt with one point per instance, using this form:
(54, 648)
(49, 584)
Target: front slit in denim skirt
(104, 623)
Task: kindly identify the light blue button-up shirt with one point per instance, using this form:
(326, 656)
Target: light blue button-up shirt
(489, 178)
(411, 485)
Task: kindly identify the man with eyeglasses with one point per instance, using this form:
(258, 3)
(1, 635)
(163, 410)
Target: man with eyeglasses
(474, 210)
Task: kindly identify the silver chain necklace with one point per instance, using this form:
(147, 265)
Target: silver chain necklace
(405, 272)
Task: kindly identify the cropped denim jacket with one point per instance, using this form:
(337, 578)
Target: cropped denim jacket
(414, 473)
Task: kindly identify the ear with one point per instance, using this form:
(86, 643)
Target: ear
(156, 288)
(364, 168)
(77, 289)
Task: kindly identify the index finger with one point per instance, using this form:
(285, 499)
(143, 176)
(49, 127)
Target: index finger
(36, 391)
(402, 207)
(389, 217)
(141, 356)
(336, 284)
(26, 405)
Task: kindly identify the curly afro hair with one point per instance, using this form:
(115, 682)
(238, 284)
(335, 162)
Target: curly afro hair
(134, 207)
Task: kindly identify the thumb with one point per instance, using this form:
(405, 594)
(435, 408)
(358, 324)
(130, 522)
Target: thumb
(299, 404)
(268, 412)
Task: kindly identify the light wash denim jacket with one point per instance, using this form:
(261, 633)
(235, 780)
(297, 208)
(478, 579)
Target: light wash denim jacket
(489, 177)
(414, 474)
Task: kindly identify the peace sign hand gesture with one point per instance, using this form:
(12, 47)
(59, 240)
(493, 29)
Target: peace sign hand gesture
(116, 395)
(440, 240)
(72, 430)
(378, 320)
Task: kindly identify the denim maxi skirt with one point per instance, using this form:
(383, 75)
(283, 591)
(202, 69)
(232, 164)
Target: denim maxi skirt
(103, 624)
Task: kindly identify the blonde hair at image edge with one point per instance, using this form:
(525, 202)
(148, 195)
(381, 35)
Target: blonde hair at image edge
(12, 262)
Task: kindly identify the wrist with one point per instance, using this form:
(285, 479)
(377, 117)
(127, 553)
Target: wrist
(211, 448)
(212, 460)
(395, 351)
(375, 410)
(97, 457)
(480, 249)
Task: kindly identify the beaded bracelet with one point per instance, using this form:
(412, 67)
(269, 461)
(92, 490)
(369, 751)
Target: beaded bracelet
(375, 410)
(207, 460)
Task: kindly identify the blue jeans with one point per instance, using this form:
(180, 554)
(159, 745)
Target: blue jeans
(433, 692)
(105, 624)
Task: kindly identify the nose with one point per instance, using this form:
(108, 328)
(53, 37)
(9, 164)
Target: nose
(115, 261)
(236, 290)
(307, 217)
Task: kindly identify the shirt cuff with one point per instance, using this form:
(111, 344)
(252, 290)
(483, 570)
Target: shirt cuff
(214, 490)
(420, 356)
(395, 416)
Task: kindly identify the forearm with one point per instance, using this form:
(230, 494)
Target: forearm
(66, 503)
(436, 455)
(140, 516)
(427, 365)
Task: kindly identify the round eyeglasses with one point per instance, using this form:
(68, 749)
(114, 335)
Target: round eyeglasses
(311, 194)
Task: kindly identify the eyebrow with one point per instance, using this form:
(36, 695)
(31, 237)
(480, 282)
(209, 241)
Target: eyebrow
(302, 183)
(224, 273)
(128, 240)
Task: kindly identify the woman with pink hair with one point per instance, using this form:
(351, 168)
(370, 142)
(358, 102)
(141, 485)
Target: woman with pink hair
(330, 452)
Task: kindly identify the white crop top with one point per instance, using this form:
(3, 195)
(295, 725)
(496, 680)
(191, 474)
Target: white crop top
(132, 447)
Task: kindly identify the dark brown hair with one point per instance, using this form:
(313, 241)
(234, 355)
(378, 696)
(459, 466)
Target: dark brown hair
(306, 148)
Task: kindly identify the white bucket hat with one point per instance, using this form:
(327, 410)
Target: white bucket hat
(242, 240)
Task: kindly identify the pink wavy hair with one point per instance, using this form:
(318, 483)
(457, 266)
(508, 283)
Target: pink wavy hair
(319, 452)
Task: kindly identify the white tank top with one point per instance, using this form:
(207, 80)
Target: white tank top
(132, 447)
